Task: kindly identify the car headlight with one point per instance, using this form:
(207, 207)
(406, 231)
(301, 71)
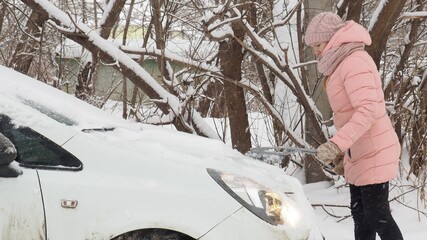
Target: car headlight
(271, 206)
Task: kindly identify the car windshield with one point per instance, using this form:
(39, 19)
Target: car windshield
(50, 113)
(61, 118)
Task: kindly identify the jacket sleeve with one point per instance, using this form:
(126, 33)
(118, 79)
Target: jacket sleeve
(361, 88)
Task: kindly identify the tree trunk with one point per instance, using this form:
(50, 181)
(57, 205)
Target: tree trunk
(85, 78)
(313, 171)
(27, 46)
(353, 8)
(231, 57)
(418, 147)
(160, 36)
(135, 91)
(3, 11)
(160, 39)
(382, 28)
(124, 86)
(263, 79)
(418, 150)
(213, 105)
(405, 83)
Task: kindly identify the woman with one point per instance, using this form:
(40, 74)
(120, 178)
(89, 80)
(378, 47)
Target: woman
(364, 131)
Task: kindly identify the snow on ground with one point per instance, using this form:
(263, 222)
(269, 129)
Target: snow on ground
(335, 220)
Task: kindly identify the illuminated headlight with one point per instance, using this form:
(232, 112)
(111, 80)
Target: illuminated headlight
(272, 206)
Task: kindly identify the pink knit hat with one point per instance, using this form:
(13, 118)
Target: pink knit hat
(322, 27)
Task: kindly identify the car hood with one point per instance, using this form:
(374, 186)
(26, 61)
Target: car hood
(162, 162)
(166, 148)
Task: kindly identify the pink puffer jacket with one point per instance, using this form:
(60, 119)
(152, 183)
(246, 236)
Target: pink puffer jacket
(364, 131)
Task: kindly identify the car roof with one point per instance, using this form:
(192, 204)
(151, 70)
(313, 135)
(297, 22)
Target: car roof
(20, 93)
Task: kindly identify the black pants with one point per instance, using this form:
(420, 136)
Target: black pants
(371, 213)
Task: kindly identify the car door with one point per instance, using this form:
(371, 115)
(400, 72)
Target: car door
(22, 207)
(21, 202)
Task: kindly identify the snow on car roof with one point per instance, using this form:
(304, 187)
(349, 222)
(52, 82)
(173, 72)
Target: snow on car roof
(21, 96)
(58, 105)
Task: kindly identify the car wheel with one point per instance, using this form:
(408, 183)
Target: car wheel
(161, 235)
(153, 234)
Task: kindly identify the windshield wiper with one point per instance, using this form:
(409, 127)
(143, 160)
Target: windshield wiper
(103, 129)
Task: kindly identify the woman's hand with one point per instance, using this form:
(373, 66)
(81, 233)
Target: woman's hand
(327, 152)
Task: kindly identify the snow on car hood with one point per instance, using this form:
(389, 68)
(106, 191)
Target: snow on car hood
(179, 156)
(195, 152)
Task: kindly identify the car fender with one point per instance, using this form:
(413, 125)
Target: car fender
(21, 208)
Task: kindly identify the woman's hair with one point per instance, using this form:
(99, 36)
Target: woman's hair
(324, 81)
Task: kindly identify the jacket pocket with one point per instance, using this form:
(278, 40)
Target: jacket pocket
(364, 147)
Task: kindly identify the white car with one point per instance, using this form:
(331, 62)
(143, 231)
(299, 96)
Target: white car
(89, 175)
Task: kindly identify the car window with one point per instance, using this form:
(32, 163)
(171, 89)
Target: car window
(37, 151)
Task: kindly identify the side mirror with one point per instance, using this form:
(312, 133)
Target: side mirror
(9, 171)
(7, 155)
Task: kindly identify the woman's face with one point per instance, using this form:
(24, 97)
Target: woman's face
(318, 48)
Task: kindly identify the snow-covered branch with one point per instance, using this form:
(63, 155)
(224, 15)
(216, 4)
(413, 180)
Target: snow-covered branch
(111, 53)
